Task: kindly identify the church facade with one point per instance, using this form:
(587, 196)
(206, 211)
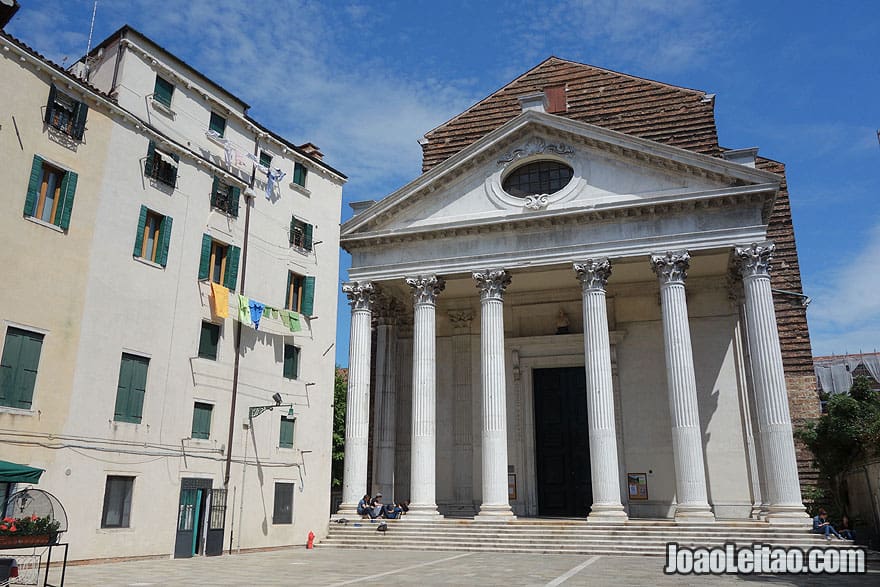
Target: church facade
(574, 311)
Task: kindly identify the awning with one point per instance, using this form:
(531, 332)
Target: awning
(15, 473)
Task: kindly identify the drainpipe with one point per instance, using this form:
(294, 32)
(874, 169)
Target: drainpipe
(249, 194)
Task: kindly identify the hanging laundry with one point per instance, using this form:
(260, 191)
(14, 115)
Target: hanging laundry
(256, 312)
(229, 153)
(244, 311)
(285, 318)
(270, 312)
(240, 159)
(273, 177)
(220, 297)
(294, 322)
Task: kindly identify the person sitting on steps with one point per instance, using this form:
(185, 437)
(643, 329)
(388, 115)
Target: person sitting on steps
(376, 507)
(363, 508)
(821, 525)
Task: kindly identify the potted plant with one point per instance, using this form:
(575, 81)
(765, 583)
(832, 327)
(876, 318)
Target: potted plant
(28, 531)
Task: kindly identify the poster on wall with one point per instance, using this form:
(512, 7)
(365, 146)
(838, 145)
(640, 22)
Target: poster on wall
(638, 486)
(511, 486)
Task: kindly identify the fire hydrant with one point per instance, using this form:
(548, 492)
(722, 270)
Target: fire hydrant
(311, 543)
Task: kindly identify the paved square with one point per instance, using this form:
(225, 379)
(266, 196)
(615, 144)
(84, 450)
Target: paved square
(327, 567)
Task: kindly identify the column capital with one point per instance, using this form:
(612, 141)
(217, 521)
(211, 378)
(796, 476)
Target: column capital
(461, 321)
(425, 288)
(360, 294)
(754, 260)
(671, 267)
(593, 273)
(492, 283)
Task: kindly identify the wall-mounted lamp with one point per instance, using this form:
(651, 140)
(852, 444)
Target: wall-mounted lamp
(255, 411)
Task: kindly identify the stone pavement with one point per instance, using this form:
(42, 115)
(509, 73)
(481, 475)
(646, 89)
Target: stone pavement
(329, 566)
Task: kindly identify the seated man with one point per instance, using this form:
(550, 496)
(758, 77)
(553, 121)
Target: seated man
(376, 507)
(392, 511)
(821, 525)
(363, 508)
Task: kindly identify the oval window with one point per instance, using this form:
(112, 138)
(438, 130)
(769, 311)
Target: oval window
(540, 177)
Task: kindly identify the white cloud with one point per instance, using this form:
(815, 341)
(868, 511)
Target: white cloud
(845, 313)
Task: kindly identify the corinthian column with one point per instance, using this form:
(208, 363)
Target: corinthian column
(774, 421)
(492, 283)
(385, 421)
(593, 275)
(423, 471)
(687, 438)
(357, 411)
(463, 463)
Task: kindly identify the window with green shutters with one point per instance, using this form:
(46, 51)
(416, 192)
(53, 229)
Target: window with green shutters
(153, 237)
(300, 293)
(18, 367)
(265, 159)
(162, 91)
(219, 262)
(131, 389)
(225, 197)
(291, 361)
(285, 437)
(50, 193)
(208, 340)
(202, 420)
(217, 124)
(161, 166)
(299, 174)
(301, 234)
(66, 114)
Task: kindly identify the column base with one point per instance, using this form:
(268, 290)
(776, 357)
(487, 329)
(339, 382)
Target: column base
(607, 514)
(788, 515)
(423, 511)
(694, 514)
(348, 511)
(495, 513)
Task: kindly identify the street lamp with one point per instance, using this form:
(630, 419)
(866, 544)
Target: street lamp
(255, 411)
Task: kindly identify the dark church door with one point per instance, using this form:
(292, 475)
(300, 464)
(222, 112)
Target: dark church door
(562, 442)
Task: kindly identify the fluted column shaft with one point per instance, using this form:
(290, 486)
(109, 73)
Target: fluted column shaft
(463, 469)
(423, 471)
(357, 411)
(604, 471)
(687, 438)
(774, 420)
(386, 408)
(492, 283)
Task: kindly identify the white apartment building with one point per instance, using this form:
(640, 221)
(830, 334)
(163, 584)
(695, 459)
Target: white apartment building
(167, 419)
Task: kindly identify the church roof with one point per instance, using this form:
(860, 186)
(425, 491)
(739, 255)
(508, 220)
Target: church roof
(668, 114)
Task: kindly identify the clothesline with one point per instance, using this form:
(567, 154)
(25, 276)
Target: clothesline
(251, 312)
(835, 374)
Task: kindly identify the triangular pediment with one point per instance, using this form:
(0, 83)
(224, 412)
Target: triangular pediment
(609, 170)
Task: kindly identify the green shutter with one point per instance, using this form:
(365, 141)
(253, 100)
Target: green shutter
(68, 188)
(164, 241)
(214, 187)
(79, 124)
(308, 305)
(162, 91)
(205, 262)
(308, 230)
(299, 174)
(50, 105)
(234, 196)
(208, 341)
(123, 390)
(292, 225)
(18, 367)
(201, 426)
(285, 437)
(148, 164)
(33, 191)
(291, 362)
(139, 235)
(231, 268)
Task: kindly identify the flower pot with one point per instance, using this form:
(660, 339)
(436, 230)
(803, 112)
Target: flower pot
(27, 540)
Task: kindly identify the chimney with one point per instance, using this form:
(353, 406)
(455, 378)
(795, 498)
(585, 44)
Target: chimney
(311, 150)
(742, 156)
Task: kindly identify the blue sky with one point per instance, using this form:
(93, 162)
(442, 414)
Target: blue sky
(365, 80)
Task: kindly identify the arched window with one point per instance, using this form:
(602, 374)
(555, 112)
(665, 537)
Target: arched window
(540, 177)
